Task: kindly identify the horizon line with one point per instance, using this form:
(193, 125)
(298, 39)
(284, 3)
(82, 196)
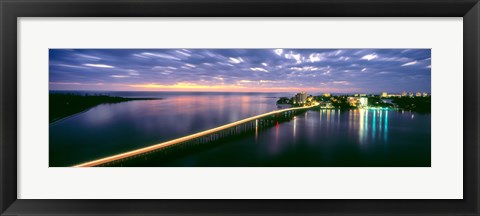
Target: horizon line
(93, 90)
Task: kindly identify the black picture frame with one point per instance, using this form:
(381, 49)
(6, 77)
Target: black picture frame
(10, 10)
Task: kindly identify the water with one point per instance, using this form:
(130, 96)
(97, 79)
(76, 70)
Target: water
(314, 138)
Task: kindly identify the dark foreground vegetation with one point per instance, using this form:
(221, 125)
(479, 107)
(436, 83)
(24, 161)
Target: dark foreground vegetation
(62, 105)
(417, 104)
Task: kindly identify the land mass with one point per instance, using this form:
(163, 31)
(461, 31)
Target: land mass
(344, 102)
(63, 105)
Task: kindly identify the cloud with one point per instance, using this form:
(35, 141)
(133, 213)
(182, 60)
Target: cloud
(370, 57)
(278, 51)
(258, 69)
(271, 81)
(341, 82)
(225, 64)
(409, 63)
(166, 72)
(183, 53)
(384, 72)
(141, 56)
(315, 57)
(399, 59)
(133, 73)
(343, 58)
(296, 56)
(236, 60)
(70, 66)
(293, 68)
(90, 57)
(119, 76)
(158, 55)
(159, 68)
(99, 65)
(305, 68)
(74, 83)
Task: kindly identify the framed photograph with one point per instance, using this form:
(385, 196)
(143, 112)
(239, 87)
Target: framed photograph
(203, 107)
(227, 107)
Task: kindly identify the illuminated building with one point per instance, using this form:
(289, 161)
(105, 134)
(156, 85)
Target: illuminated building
(326, 94)
(404, 94)
(410, 94)
(418, 94)
(363, 95)
(326, 105)
(425, 94)
(363, 102)
(394, 95)
(330, 106)
(353, 101)
(384, 94)
(301, 97)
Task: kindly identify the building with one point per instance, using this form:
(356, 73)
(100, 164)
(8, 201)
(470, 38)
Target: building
(394, 95)
(301, 97)
(363, 102)
(418, 94)
(384, 94)
(425, 94)
(356, 95)
(404, 94)
(326, 105)
(363, 95)
(353, 101)
(410, 94)
(326, 95)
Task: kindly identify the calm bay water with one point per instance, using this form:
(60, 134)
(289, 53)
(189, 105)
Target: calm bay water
(314, 138)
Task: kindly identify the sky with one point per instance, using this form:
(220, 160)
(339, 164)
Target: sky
(242, 70)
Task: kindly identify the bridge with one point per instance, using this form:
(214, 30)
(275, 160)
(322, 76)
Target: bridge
(206, 136)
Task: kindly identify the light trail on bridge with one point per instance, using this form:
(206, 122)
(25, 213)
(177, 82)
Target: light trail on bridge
(182, 139)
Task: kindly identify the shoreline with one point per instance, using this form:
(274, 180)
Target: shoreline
(63, 106)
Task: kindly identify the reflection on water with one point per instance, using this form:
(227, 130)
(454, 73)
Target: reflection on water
(360, 122)
(374, 122)
(327, 138)
(315, 138)
(385, 127)
(380, 124)
(115, 128)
